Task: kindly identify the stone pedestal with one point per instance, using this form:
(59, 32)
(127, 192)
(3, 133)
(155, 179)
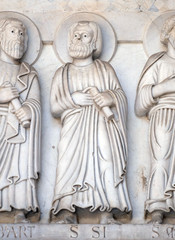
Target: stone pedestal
(86, 232)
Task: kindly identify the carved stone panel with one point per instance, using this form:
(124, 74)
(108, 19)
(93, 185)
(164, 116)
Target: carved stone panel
(97, 157)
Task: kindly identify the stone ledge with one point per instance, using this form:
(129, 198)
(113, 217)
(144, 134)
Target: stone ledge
(86, 231)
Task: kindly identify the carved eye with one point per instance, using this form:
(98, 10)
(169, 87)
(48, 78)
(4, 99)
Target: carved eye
(76, 35)
(21, 33)
(12, 31)
(85, 35)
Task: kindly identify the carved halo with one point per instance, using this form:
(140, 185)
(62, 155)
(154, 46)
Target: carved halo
(34, 40)
(151, 39)
(108, 36)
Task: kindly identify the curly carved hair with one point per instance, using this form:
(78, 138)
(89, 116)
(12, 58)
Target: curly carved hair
(168, 25)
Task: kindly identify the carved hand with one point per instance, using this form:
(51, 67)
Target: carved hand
(8, 93)
(82, 99)
(167, 86)
(23, 114)
(103, 99)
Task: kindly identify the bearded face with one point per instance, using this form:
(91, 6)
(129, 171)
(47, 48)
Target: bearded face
(82, 44)
(12, 40)
(81, 50)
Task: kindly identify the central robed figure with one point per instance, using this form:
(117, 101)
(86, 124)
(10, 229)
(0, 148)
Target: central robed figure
(91, 167)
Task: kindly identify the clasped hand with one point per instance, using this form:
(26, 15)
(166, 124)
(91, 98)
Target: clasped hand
(82, 99)
(85, 99)
(164, 87)
(8, 93)
(103, 99)
(23, 114)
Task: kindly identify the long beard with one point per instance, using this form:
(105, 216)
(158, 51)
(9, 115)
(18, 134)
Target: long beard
(81, 50)
(13, 48)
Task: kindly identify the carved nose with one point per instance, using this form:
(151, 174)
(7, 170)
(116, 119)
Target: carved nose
(18, 37)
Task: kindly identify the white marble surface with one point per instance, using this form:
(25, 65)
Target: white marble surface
(131, 14)
(129, 19)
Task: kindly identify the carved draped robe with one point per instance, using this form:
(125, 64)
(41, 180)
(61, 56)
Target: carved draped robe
(161, 113)
(92, 150)
(19, 147)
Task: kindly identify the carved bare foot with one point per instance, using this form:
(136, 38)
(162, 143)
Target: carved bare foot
(107, 218)
(20, 217)
(157, 217)
(66, 217)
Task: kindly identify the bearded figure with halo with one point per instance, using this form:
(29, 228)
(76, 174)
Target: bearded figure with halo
(156, 100)
(19, 124)
(92, 151)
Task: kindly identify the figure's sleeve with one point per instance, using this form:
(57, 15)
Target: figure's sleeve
(144, 99)
(60, 99)
(120, 110)
(120, 107)
(55, 98)
(119, 97)
(34, 92)
(33, 102)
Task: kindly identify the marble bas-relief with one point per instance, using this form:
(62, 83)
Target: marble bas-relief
(156, 100)
(92, 152)
(19, 124)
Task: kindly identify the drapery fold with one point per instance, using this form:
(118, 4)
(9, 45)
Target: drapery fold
(20, 147)
(161, 114)
(92, 150)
